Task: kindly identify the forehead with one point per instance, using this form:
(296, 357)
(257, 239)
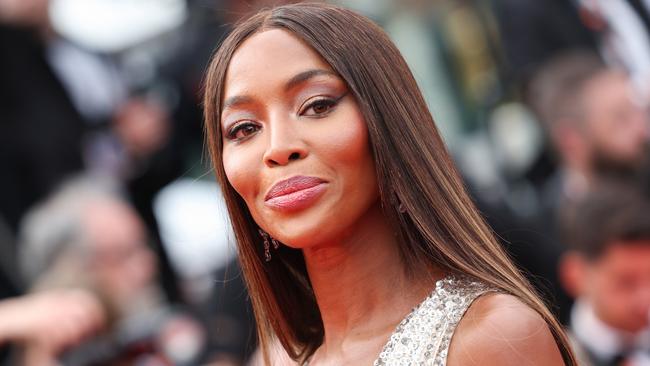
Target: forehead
(267, 59)
(607, 85)
(108, 222)
(627, 254)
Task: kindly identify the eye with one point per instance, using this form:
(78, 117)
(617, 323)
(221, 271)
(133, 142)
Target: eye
(319, 107)
(242, 130)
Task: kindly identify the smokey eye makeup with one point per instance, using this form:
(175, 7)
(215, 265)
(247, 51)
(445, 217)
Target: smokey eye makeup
(320, 106)
(321, 97)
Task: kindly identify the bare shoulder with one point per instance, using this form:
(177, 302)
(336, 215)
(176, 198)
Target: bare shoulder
(277, 356)
(499, 329)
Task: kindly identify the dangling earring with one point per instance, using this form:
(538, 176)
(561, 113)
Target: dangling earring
(267, 246)
(400, 205)
(267, 251)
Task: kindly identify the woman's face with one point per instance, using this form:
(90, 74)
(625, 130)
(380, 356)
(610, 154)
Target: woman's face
(295, 144)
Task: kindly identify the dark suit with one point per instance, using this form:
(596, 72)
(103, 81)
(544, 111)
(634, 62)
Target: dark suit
(40, 130)
(532, 31)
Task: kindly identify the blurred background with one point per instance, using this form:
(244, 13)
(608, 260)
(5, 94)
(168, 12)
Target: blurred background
(115, 247)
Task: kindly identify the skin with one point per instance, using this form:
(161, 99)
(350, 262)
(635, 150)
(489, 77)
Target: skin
(142, 126)
(617, 284)
(46, 323)
(613, 126)
(119, 259)
(115, 262)
(24, 12)
(31, 14)
(352, 258)
(500, 330)
(617, 122)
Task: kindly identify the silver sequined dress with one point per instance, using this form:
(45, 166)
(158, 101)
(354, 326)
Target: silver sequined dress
(423, 337)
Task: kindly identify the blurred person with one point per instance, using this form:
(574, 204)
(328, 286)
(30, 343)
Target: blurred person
(533, 32)
(40, 128)
(598, 128)
(142, 126)
(44, 324)
(86, 118)
(86, 236)
(596, 123)
(41, 143)
(150, 156)
(607, 270)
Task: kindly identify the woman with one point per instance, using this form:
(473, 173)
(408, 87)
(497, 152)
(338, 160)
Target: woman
(350, 217)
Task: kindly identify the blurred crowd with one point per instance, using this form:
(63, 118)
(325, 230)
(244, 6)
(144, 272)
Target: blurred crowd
(115, 248)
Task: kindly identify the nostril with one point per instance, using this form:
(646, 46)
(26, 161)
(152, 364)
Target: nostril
(276, 158)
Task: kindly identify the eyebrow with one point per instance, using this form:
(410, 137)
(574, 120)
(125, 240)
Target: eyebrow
(306, 75)
(292, 83)
(236, 100)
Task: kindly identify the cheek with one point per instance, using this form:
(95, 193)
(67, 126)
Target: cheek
(607, 293)
(359, 157)
(348, 144)
(597, 286)
(242, 173)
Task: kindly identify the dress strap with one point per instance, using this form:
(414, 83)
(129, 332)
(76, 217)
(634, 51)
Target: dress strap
(424, 336)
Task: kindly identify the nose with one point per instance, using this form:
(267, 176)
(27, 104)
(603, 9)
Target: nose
(285, 144)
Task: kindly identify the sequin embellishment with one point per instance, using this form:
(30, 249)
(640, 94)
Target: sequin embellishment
(423, 337)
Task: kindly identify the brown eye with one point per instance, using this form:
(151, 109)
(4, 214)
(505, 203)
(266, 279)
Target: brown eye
(319, 107)
(241, 131)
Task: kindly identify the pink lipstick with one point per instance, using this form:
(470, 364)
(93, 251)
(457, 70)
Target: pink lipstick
(295, 193)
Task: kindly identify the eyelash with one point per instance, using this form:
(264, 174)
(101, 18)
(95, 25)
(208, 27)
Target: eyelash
(330, 103)
(240, 126)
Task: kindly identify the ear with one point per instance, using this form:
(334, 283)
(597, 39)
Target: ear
(572, 272)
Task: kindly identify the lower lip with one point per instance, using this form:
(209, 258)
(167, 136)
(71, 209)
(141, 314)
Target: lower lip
(297, 200)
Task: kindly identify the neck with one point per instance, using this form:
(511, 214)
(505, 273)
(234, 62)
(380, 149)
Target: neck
(360, 283)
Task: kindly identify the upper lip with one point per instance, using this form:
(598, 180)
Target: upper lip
(291, 185)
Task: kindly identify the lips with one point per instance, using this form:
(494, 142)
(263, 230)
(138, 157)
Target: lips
(295, 193)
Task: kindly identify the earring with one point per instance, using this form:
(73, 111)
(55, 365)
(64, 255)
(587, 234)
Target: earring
(267, 251)
(400, 205)
(268, 241)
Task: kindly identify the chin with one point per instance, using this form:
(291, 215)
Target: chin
(328, 221)
(299, 229)
(300, 236)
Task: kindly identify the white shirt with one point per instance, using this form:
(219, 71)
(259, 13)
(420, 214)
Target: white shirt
(604, 341)
(627, 42)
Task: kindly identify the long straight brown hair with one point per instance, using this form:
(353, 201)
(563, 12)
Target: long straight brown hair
(441, 227)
